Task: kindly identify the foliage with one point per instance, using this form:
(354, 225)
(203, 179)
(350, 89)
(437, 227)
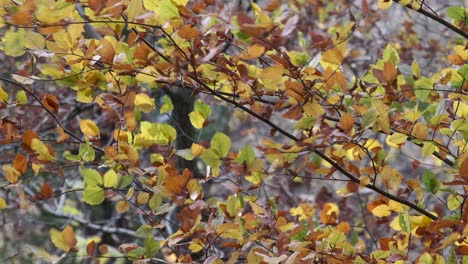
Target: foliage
(313, 92)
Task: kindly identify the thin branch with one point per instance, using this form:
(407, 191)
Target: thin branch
(438, 20)
(316, 151)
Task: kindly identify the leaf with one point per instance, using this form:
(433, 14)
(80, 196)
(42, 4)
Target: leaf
(389, 71)
(347, 122)
(151, 246)
(456, 12)
(91, 177)
(34, 41)
(13, 42)
(390, 54)
(89, 128)
(3, 96)
(3, 203)
(144, 103)
(167, 106)
(93, 195)
(122, 206)
(50, 103)
(42, 150)
(220, 143)
(64, 240)
(188, 32)
(396, 139)
(253, 52)
(329, 214)
(247, 155)
(111, 179)
(429, 179)
(20, 163)
(454, 201)
(423, 87)
(197, 119)
(21, 97)
(382, 210)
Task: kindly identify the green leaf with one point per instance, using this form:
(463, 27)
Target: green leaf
(155, 202)
(336, 237)
(390, 54)
(233, 205)
(221, 144)
(369, 118)
(211, 158)
(151, 246)
(167, 106)
(415, 69)
(67, 155)
(247, 155)
(203, 108)
(305, 123)
(91, 177)
(197, 119)
(13, 42)
(456, 12)
(86, 152)
(93, 195)
(427, 149)
(422, 88)
(429, 179)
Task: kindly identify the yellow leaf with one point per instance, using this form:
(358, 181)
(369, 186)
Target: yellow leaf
(229, 230)
(196, 245)
(381, 210)
(144, 103)
(332, 58)
(62, 134)
(396, 139)
(40, 148)
(384, 4)
(330, 213)
(3, 204)
(21, 97)
(111, 179)
(3, 96)
(420, 131)
(64, 240)
(89, 128)
(197, 119)
(253, 52)
(11, 174)
(34, 41)
(454, 201)
(197, 149)
(122, 207)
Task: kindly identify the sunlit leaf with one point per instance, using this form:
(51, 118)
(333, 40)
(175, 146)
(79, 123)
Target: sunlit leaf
(144, 103)
(89, 128)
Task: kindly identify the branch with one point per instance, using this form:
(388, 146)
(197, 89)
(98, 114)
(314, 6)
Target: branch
(316, 151)
(438, 20)
(48, 111)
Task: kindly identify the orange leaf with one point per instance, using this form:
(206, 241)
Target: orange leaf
(329, 214)
(46, 191)
(389, 71)
(294, 113)
(20, 164)
(28, 136)
(346, 122)
(176, 183)
(464, 170)
(69, 236)
(188, 32)
(63, 136)
(50, 103)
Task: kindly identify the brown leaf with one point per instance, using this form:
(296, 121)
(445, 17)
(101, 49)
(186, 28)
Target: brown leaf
(50, 103)
(188, 32)
(464, 170)
(329, 214)
(175, 183)
(90, 248)
(294, 113)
